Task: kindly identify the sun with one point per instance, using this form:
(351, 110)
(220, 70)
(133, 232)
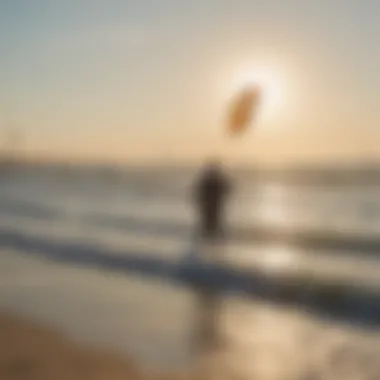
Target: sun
(270, 85)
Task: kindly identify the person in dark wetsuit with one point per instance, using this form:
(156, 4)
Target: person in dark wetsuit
(211, 194)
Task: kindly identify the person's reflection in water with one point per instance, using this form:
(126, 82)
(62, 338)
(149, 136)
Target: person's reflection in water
(211, 194)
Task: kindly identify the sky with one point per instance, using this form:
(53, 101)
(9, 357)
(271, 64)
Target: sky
(151, 80)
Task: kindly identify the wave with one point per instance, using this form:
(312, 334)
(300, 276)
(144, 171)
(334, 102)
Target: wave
(334, 241)
(343, 301)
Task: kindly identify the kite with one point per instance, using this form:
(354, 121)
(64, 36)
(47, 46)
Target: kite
(243, 110)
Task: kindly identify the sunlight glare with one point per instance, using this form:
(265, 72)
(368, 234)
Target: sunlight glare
(272, 208)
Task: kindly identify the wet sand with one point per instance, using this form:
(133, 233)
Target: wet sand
(31, 351)
(125, 314)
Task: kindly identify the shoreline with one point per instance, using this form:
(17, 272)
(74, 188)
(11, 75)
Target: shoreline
(100, 309)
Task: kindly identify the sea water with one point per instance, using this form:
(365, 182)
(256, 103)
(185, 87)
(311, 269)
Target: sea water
(152, 215)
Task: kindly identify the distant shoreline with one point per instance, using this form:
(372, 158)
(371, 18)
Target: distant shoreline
(334, 174)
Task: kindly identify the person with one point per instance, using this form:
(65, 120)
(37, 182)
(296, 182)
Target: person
(212, 190)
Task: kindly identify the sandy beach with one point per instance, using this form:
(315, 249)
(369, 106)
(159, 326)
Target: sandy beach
(31, 351)
(62, 322)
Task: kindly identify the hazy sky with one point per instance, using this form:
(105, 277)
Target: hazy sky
(150, 79)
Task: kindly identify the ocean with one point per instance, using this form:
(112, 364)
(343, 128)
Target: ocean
(51, 219)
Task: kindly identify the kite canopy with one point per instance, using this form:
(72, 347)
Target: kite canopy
(243, 109)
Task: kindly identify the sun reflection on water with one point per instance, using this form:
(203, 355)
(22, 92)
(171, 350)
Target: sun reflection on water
(279, 259)
(271, 204)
